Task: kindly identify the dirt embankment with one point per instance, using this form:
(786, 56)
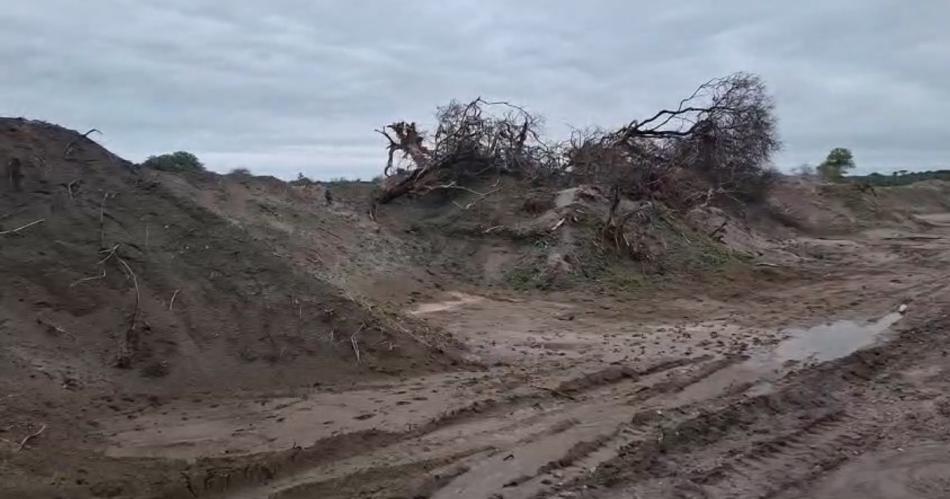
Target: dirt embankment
(120, 296)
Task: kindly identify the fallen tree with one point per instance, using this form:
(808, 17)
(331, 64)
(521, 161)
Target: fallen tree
(716, 142)
(469, 142)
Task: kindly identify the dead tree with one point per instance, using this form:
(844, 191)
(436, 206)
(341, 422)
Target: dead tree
(409, 143)
(469, 142)
(718, 139)
(724, 133)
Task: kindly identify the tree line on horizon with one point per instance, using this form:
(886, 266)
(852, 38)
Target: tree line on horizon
(840, 161)
(834, 168)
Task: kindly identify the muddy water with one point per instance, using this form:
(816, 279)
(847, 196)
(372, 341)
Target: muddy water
(812, 345)
(831, 341)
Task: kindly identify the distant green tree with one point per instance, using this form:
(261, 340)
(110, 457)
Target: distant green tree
(180, 161)
(838, 162)
(240, 172)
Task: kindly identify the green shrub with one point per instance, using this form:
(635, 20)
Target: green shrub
(180, 161)
(839, 162)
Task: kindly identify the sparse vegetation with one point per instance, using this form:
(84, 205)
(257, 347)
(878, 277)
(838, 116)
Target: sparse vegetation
(180, 162)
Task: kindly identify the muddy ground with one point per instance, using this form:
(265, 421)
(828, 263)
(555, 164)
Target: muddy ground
(811, 385)
(811, 388)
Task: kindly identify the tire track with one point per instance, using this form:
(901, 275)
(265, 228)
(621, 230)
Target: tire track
(293, 469)
(778, 463)
(742, 446)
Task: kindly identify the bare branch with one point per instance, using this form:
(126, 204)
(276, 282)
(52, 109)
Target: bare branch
(18, 229)
(171, 303)
(92, 278)
(53, 328)
(354, 343)
(31, 436)
(124, 357)
(468, 142)
(73, 143)
(109, 254)
(723, 134)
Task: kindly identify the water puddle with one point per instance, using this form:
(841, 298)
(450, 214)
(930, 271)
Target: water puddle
(831, 341)
(810, 345)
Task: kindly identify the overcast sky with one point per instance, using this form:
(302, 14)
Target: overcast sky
(287, 86)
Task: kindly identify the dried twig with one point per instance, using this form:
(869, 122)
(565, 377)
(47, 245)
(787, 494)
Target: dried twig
(171, 303)
(125, 353)
(29, 437)
(91, 278)
(356, 346)
(111, 252)
(69, 147)
(54, 328)
(481, 195)
(18, 229)
(454, 186)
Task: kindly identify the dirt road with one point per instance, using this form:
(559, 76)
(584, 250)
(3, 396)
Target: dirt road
(813, 387)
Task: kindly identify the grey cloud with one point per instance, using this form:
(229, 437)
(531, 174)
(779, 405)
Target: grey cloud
(293, 85)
